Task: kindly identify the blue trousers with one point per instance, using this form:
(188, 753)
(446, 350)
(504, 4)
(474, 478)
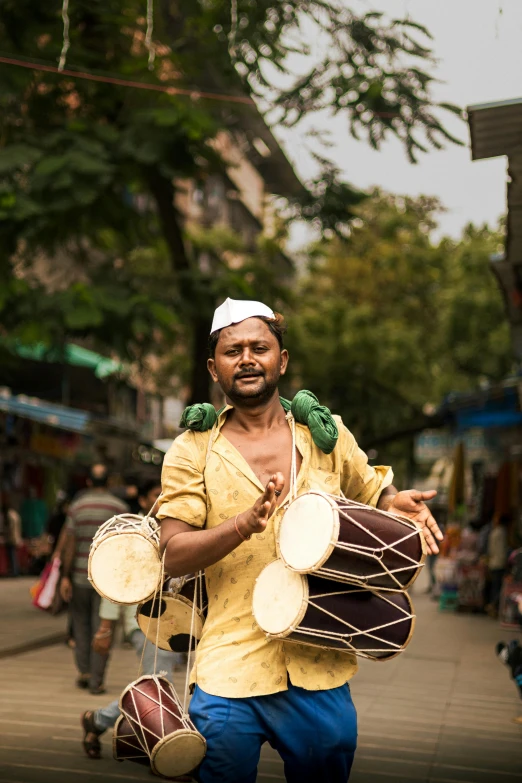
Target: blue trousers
(314, 732)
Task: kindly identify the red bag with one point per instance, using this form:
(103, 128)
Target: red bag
(45, 589)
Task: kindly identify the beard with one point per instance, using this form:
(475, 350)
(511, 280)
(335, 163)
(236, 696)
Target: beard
(261, 392)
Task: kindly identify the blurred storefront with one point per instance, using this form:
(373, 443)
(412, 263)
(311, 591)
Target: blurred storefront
(475, 463)
(60, 412)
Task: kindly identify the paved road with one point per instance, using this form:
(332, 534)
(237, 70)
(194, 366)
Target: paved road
(440, 713)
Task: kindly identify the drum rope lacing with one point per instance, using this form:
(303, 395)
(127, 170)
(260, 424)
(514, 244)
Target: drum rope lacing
(376, 553)
(370, 632)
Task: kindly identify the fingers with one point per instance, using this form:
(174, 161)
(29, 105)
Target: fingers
(417, 495)
(272, 491)
(430, 524)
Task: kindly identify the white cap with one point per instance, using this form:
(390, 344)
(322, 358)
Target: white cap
(233, 311)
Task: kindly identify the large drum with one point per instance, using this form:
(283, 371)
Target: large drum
(168, 737)
(181, 609)
(321, 613)
(347, 541)
(124, 561)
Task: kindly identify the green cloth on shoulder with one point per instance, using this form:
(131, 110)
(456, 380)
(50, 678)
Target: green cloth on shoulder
(305, 409)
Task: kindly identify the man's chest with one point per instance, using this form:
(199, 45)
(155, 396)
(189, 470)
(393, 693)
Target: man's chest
(265, 456)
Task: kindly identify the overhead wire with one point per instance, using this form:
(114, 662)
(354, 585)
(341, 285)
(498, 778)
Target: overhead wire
(89, 76)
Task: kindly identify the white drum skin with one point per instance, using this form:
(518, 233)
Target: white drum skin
(124, 561)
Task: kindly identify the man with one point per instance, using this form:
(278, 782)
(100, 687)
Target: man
(95, 723)
(90, 510)
(223, 495)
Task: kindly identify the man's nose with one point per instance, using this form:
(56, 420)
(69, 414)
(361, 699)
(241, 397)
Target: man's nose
(247, 357)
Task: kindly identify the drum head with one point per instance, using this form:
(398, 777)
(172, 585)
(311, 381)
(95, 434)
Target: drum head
(175, 622)
(178, 753)
(280, 599)
(125, 568)
(308, 532)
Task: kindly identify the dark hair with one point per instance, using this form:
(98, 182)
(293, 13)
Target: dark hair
(99, 475)
(147, 486)
(276, 325)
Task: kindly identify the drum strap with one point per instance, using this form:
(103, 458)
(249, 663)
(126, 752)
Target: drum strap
(156, 600)
(293, 467)
(197, 602)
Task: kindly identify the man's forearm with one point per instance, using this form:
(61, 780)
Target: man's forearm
(188, 552)
(386, 498)
(68, 554)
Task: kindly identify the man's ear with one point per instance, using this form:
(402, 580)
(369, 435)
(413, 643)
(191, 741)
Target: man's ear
(211, 366)
(284, 361)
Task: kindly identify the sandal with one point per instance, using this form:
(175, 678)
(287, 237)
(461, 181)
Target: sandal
(91, 743)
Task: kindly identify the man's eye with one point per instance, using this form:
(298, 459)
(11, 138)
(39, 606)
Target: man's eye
(261, 348)
(231, 352)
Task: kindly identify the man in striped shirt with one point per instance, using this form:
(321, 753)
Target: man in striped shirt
(87, 512)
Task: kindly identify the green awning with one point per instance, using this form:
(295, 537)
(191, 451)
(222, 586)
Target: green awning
(72, 354)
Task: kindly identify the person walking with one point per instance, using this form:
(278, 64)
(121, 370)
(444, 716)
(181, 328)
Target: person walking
(86, 513)
(224, 485)
(497, 561)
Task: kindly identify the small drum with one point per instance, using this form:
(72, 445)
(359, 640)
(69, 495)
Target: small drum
(124, 561)
(126, 745)
(321, 613)
(169, 738)
(174, 607)
(347, 541)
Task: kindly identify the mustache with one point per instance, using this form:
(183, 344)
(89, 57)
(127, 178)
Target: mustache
(249, 374)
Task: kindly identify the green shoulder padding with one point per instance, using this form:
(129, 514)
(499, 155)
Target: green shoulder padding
(305, 409)
(200, 417)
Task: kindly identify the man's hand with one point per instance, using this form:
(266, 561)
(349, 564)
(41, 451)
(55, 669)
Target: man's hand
(66, 589)
(256, 518)
(410, 503)
(102, 640)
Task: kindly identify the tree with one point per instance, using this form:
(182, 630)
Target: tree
(88, 169)
(397, 319)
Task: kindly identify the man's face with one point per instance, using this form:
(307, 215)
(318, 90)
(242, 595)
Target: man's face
(248, 362)
(146, 502)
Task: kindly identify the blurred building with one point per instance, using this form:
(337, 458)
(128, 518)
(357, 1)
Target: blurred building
(496, 130)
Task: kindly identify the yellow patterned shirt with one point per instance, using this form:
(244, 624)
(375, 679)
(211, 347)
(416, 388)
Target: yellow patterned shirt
(234, 658)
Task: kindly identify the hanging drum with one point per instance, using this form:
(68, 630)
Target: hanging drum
(318, 612)
(347, 541)
(124, 561)
(179, 619)
(165, 733)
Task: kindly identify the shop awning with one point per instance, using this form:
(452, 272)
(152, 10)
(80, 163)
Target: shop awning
(70, 419)
(72, 354)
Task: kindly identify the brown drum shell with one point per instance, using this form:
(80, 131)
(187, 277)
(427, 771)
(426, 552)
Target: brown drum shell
(387, 529)
(364, 610)
(139, 703)
(126, 745)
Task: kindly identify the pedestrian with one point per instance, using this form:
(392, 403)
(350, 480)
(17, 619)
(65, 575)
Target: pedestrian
(224, 483)
(87, 512)
(12, 534)
(497, 561)
(95, 723)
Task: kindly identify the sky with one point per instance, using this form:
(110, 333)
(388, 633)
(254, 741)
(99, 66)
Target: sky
(478, 45)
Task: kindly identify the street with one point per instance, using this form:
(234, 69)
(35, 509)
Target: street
(440, 712)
